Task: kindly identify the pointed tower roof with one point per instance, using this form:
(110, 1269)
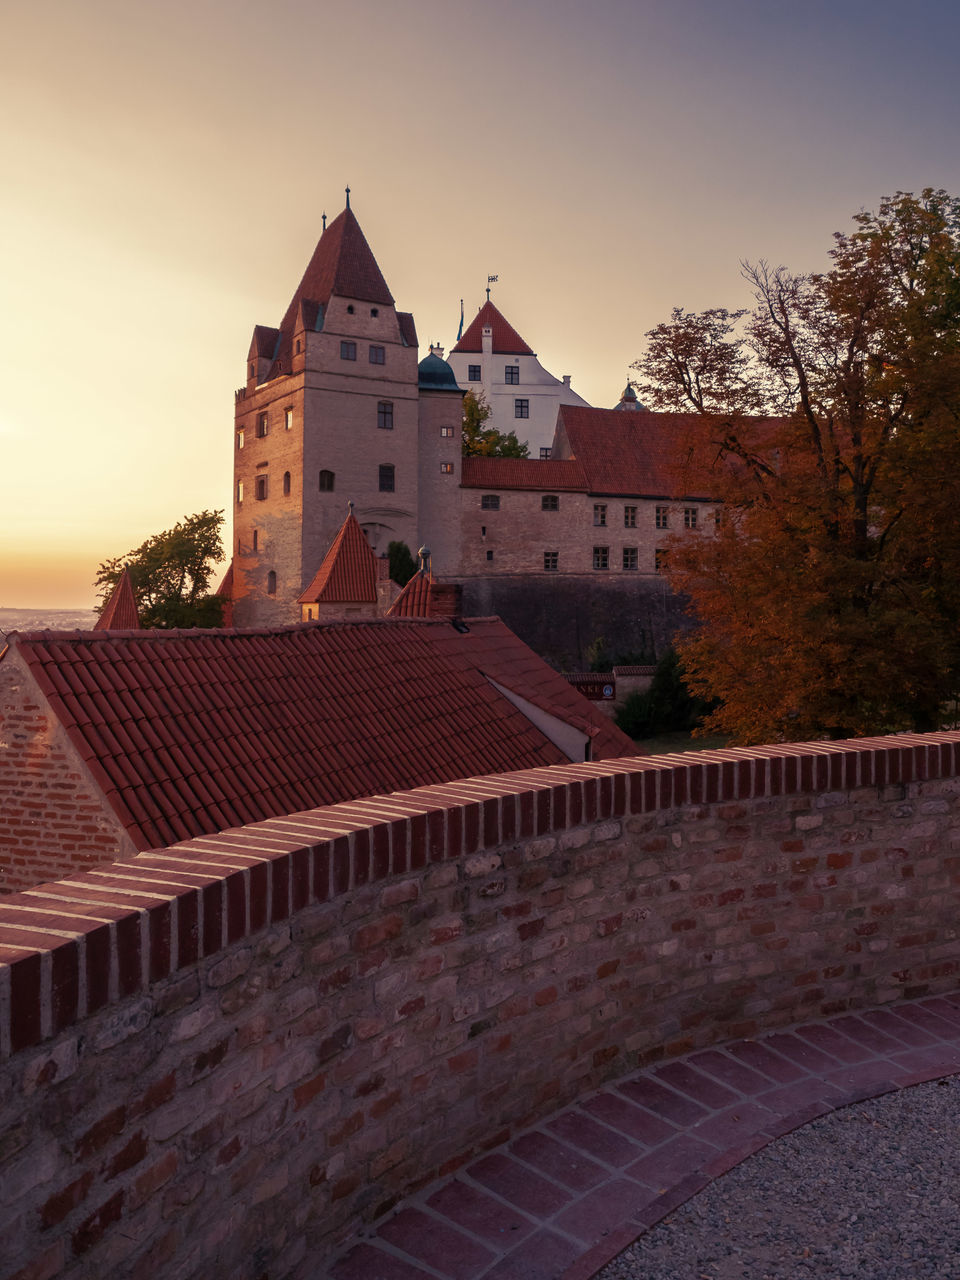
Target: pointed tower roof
(348, 574)
(120, 611)
(342, 264)
(506, 340)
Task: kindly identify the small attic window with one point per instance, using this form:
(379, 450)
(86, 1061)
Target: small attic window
(299, 346)
(374, 311)
(349, 308)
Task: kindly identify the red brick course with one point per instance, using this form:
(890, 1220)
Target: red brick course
(251, 1043)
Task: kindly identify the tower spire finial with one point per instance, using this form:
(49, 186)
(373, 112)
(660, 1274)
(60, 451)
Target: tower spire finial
(324, 216)
(348, 197)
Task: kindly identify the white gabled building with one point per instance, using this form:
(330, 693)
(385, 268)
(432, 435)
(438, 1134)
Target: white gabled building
(492, 357)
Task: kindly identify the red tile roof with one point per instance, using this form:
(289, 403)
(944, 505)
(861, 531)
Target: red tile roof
(189, 732)
(414, 600)
(349, 571)
(120, 611)
(506, 340)
(637, 454)
(523, 473)
(408, 330)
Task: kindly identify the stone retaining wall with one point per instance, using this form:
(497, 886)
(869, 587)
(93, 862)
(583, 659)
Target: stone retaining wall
(221, 1058)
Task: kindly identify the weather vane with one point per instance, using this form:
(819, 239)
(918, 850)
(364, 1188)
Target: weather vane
(491, 280)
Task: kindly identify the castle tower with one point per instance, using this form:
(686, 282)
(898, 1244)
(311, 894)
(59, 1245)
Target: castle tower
(328, 415)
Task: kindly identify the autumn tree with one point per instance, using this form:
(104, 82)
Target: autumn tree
(170, 574)
(827, 601)
(479, 440)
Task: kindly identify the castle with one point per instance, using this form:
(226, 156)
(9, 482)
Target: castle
(337, 409)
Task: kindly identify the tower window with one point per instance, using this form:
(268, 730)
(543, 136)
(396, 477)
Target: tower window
(286, 484)
(299, 346)
(262, 425)
(272, 582)
(252, 370)
(521, 408)
(349, 308)
(387, 477)
(446, 468)
(239, 492)
(551, 561)
(511, 375)
(385, 415)
(348, 351)
(600, 514)
(489, 555)
(287, 419)
(630, 558)
(601, 557)
(374, 311)
(239, 439)
(550, 502)
(326, 481)
(378, 355)
(256, 539)
(260, 490)
(473, 373)
(629, 517)
(490, 502)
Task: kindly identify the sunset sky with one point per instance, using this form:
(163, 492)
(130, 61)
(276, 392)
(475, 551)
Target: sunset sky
(165, 168)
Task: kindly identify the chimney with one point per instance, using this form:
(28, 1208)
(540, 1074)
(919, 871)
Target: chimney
(566, 380)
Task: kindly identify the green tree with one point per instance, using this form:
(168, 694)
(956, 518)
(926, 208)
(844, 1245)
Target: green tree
(827, 601)
(402, 564)
(667, 706)
(480, 440)
(170, 574)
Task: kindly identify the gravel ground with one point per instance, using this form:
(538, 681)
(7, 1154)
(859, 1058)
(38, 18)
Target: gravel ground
(872, 1191)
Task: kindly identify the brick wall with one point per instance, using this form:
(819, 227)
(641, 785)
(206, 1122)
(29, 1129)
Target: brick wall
(41, 776)
(221, 1057)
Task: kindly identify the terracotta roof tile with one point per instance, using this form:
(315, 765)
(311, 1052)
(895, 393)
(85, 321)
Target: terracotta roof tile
(120, 611)
(348, 573)
(506, 340)
(554, 475)
(378, 706)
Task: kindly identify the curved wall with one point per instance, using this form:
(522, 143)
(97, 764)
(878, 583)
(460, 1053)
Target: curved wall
(221, 1058)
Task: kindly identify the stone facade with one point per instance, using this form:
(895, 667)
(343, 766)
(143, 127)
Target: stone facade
(224, 1057)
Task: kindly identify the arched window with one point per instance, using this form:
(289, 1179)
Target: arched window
(326, 481)
(286, 484)
(272, 582)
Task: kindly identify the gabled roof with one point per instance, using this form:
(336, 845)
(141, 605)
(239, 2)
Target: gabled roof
(348, 573)
(506, 340)
(190, 732)
(424, 597)
(342, 264)
(637, 454)
(263, 343)
(120, 611)
(551, 474)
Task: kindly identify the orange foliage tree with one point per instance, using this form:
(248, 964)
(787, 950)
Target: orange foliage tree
(826, 602)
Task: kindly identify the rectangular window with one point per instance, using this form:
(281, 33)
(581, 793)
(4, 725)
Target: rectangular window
(287, 419)
(600, 514)
(546, 451)
(378, 355)
(689, 517)
(387, 478)
(239, 492)
(511, 375)
(239, 439)
(490, 502)
(550, 502)
(629, 517)
(446, 468)
(256, 539)
(662, 513)
(489, 555)
(473, 373)
(521, 408)
(260, 492)
(551, 561)
(261, 425)
(327, 480)
(446, 433)
(348, 351)
(601, 557)
(660, 560)
(385, 415)
(630, 558)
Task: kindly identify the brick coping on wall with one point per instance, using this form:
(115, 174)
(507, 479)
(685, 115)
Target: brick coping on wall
(69, 948)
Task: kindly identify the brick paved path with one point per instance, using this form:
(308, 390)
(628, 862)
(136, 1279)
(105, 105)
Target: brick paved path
(562, 1199)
